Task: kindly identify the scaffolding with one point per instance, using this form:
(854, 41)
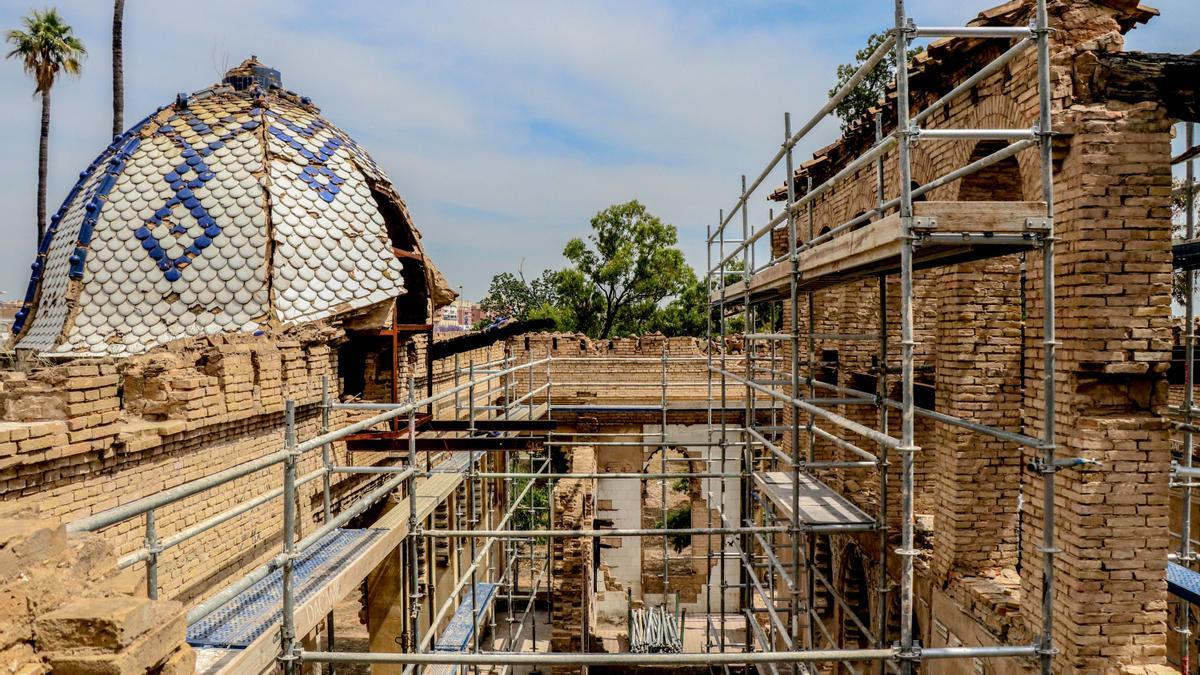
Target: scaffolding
(772, 539)
(895, 237)
(1182, 573)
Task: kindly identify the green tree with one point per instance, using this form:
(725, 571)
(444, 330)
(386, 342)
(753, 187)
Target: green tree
(866, 95)
(1179, 289)
(628, 265)
(685, 314)
(118, 66)
(46, 48)
(512, 296)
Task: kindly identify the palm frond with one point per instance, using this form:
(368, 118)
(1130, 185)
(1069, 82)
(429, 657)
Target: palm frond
(46, 47)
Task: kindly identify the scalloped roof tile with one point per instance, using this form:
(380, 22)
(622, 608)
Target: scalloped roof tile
(234, 209)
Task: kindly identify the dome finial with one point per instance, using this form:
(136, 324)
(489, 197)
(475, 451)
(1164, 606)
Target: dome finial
(251, 71)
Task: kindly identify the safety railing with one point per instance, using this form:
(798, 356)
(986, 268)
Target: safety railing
(148, 507)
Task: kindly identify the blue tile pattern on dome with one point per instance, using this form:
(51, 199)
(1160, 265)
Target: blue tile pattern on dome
(229, 210)
(185, 191)
(315, 175)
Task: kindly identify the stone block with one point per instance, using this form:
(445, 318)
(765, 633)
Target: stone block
(100, 623)
(181, 662)
(153, 649)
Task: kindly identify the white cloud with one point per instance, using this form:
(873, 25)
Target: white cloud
(504, 125)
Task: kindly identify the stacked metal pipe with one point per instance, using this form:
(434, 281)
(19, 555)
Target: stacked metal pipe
(654, 630)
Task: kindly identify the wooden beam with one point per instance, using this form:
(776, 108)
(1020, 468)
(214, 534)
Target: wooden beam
(1172, 80)
(1191, 153)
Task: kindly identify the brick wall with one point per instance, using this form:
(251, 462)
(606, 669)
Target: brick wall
(90, 435)
(621, 371)
(574, 509)
(1113, 266)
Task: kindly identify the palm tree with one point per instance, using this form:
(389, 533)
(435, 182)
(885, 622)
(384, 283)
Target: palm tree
(118, 68)
(46, 47)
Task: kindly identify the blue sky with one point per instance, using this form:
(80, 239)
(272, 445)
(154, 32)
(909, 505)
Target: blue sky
(505, 125)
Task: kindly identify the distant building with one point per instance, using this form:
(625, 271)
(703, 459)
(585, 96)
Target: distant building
(459, 315)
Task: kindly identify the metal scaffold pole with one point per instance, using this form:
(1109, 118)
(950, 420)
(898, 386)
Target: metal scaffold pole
(745, 543)
(287, 637)
(662, 456)
(1186, 557)
(414, 525)
(472, 520)
(327, 495)
(1046, 648)
(794, 389)
(881, 394)
(908, 641)
(724, 424)
(810, 587)
(708, 409)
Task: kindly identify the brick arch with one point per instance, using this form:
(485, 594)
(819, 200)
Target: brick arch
(926, 166)
(1000, 111)
(859, 197)
(1001, 181)
(854, 584)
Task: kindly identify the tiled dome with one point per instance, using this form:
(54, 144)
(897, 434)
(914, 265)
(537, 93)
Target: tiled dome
(237, 208)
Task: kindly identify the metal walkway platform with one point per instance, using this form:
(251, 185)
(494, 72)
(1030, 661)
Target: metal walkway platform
(819, 504)
(458, 633)
(1183, 583)
(456, 637)
(238, 622)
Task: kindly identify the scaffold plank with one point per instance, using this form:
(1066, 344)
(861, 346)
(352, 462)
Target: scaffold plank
(393, 525)
(874, 248)
(1186, 254)
(457, 634)
(818, 503)
(238, 622)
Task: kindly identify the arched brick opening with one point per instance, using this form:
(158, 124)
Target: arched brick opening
(998, 182)
(855, 587)
(979, 366)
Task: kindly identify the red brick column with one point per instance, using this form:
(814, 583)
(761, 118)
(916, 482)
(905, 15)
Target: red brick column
(1113, 284)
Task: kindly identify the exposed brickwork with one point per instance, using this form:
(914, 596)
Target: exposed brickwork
(572, 562)
(90, 435)
(1113, 274)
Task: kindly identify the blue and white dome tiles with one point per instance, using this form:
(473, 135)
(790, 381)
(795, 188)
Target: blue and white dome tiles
(238, 208)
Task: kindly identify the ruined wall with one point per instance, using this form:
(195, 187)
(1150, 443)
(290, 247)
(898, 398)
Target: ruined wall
(65, 608)
(1113, 264)
(572, 560)
(90, 435)
(621, 371)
